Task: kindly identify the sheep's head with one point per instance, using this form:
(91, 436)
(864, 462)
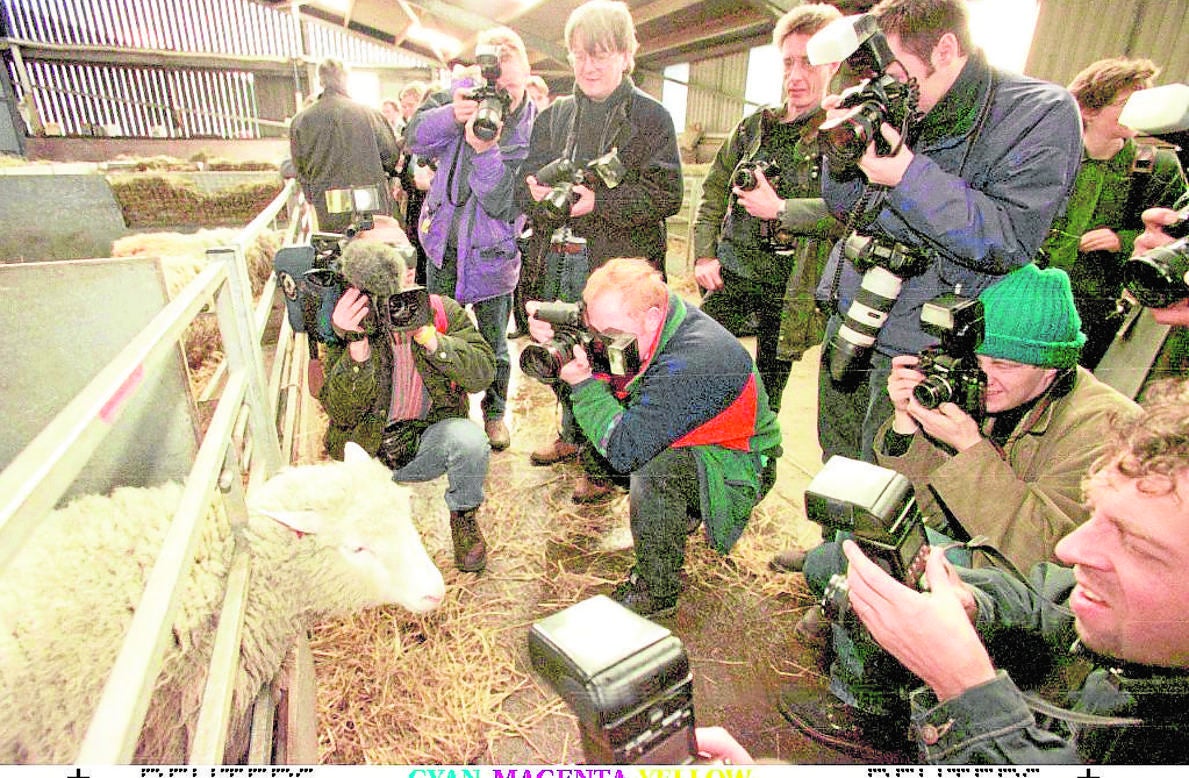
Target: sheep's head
(355, 513)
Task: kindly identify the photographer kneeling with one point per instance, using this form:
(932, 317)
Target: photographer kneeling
(692, 426)
(1012, 477)
(1123, 600)
(399, 388)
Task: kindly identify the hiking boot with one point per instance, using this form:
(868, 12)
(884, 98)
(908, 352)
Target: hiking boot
(823, 717)
(557, 451)
(633, 594)
(588, 490)
(497, 434)
(791, 560)
(470, 550)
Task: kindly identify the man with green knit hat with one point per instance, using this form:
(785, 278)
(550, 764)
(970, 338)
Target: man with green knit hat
(1013, 478)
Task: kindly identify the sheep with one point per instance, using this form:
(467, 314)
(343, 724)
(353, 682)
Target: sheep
(324, 539)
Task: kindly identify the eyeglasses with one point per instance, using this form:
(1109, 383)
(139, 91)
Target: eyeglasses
(600, 59)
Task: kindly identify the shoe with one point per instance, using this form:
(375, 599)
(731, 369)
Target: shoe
(791, 560)
(633, 594)
(470, 550)
(557, 451)
(828, 720)
(591, 490)
(497, 434)
(692, 522)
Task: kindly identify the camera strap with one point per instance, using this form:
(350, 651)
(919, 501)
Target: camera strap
(454, 166)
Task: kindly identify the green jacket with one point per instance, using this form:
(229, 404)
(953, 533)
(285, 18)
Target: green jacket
(1100, 198)
(724, 230)
(357, 395)
(1035, 485)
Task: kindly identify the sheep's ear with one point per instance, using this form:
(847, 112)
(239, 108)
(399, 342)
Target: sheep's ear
(301, 522)
(354, 453)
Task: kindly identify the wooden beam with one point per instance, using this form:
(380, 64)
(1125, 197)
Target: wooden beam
(741, 24)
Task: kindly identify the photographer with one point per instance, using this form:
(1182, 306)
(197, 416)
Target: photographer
(1012, 477)
(761, 236)
(988, 160)
(1123, 598)
(615, 212)
(337, 143)
(469, 222)
(399, 388)
(692, 427)
(1117, 180)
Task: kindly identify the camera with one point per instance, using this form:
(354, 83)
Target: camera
(1160, 277)
(616, 355)
(877, 99)
(493, 101)
(884, 266)
(405, 311)
(745, 178)
(563, 174)
(952, 374)
(878, 508)
(626, 678)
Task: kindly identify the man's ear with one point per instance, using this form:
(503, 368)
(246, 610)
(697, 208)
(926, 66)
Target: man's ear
(946, 51)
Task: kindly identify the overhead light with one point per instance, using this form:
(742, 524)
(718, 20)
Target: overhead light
(447, 45)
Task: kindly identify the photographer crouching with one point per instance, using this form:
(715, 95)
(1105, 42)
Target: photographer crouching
(399, 387)
(1122, 596)
(996, 439)
(691, 426)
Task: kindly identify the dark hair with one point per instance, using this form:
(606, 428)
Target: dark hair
(919, 24)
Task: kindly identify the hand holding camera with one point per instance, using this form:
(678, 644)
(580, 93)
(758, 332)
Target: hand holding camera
(910, 624)
(752, 186)
(349, 314)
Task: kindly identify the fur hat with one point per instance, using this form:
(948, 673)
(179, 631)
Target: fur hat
(374, 267)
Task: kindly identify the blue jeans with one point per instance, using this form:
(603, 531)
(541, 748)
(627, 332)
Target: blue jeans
(849, 417)
(664, 494)
(458, 449)
(492, 318)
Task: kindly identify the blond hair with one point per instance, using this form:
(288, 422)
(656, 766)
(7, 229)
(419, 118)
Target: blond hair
(604, 25)
(634, 279)
(804, 20)
(504, 38)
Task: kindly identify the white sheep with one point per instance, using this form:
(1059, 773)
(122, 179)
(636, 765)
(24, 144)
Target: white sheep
(324, 539)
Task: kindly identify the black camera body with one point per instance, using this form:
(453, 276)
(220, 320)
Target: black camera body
(878, 507)
(745, 178)
(878, 99)
(1160, 277)
(406, 311)
(494, 102)
(952, 373)
(615, 355)
(626, 678)
(563, 174)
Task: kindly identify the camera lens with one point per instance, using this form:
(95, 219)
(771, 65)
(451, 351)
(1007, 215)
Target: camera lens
(844, 140)
(543, 361)
(745, 179)
(488, 119)
(1160, 277)
(933, 391)
(850, 347)
(556, 205)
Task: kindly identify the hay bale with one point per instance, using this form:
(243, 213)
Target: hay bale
(169, 199)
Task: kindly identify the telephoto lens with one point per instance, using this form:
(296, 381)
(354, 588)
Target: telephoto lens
(1160, 277)
(850, 348)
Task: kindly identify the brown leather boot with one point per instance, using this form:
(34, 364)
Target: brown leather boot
(470, 550)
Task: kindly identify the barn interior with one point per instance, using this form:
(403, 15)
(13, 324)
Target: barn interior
(112, 157)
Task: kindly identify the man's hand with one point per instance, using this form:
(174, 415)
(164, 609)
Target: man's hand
(708, 273)
(1101, 239)
(585, 203)
(887, 171)
(947, 423)
(540, 331)
(901, 381)
(762, 202)
(929, 632)
(720, 746)
(465, 106)
(427, 336)
(1155, 220)
(577, 369)
(537, 190)
(348, 316)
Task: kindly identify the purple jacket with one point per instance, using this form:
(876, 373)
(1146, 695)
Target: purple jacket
(471, 201)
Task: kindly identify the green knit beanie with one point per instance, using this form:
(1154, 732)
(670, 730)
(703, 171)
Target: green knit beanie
(1031, 318)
